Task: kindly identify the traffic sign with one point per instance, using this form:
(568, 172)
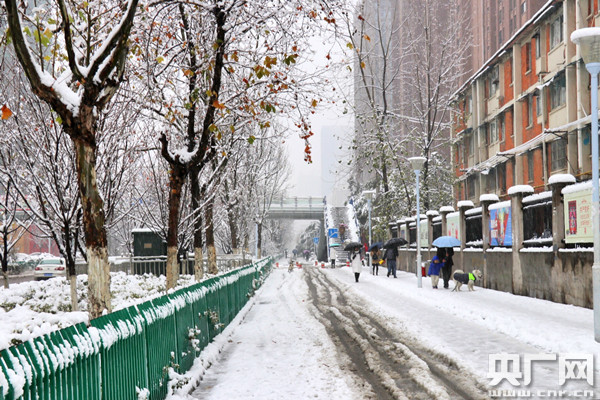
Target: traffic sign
(316, 240)
(332, 233)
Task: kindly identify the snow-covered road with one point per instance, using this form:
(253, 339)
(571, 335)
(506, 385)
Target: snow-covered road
(279, 347)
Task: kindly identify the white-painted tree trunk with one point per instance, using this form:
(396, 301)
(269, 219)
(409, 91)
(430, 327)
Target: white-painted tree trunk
(172, 267)
(198, 264)
(98, 281)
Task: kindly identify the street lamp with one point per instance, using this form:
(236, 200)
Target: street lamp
(417, 165)
(369, 195)
(588, 40)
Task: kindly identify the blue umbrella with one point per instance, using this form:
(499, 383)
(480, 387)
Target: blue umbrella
(376, 245)
(446, 241)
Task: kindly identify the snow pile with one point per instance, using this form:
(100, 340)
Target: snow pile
(523, 189)
(353, 229)
(465, 203)
(446, 209)
(489, 197)
(561, 178)
(32, 309)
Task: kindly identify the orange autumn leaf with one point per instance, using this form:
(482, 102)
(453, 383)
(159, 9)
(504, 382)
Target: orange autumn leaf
(218, 105)
(6, 112)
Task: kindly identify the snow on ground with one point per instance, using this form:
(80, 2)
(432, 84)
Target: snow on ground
(275, 349)
(35, 308)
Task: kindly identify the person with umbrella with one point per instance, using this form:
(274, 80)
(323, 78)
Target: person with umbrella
(355, 261)
(375, 256)
(447, 243)
(391, 254)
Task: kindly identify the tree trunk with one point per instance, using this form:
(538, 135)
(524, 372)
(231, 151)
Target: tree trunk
(93, 224)
(5, 275)
(259, 240)
(210, 241)
(176, 181)
(198, 264)
(196, 196)
(233, 231)
(73, 285)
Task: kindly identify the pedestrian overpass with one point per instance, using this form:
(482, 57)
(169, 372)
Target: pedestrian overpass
(308, 208)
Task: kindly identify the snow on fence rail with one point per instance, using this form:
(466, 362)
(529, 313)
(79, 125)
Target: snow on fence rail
(128, 354)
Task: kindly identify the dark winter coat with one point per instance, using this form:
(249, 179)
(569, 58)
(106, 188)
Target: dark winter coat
(435, 267)
(464, 278)
(391, 253)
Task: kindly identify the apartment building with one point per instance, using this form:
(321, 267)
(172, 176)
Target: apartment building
(524, 115)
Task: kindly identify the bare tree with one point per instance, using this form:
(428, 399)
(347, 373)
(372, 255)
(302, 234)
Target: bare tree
(94, 46)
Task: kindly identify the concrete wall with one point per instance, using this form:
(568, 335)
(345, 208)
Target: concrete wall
(566, 278)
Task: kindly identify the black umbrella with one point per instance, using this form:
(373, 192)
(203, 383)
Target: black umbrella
(352, 246)
(376, 245)
(395, 242)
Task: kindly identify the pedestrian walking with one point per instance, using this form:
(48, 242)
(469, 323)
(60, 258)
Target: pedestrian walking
(356, 264)
(447, 268)
(437, 262)
(391, 253)
(332, 256)
(375, 260)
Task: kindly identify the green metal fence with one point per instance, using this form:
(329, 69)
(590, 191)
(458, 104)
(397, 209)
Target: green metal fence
(131, 350)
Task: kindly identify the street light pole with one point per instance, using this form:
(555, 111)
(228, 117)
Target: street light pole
(417, 165)
(588, 40)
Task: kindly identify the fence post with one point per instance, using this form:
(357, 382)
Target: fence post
(486, 201)
(444, 211)
(557, 184)
(462, 207)
(516, 194)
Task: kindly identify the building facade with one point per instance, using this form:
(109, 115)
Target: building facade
(524, 115)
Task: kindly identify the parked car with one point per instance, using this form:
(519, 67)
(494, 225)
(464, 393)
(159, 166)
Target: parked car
(49, 268)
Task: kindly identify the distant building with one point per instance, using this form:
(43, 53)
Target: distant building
(524, 115)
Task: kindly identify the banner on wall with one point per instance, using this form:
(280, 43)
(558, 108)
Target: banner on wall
(402, 234)
(424, 233)
(501, 226)
(453, 225)
(578, 217)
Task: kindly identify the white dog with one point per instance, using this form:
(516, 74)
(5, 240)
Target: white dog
(460, 277)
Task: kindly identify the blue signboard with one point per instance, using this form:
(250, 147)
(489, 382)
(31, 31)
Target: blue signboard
(316, 240)
(332, 233)
(501, 226)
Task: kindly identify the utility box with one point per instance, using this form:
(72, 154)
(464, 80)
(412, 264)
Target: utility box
(149, 252)
(147, 243)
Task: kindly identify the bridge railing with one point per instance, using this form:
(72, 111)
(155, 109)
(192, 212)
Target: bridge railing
(299, 202)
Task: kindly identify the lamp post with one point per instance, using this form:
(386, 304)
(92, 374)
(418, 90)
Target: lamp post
(588, 40)
(369, 195)
(417, 165)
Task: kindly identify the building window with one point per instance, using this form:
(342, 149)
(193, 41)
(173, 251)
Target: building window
(471, 139)
(494, 80)
(559, 154)
(556, 32)
(501, 128)
(523, 7)
(538, 45)
(501, 176)
(528, 56)
(530, 110)
(558, 91)
(493, 127)
(538, 103)
(530, 166)
(470, 187)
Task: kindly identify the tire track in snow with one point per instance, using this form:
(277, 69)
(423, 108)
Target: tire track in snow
(393, 363)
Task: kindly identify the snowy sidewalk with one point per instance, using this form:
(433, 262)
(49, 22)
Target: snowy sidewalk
(280, 351)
